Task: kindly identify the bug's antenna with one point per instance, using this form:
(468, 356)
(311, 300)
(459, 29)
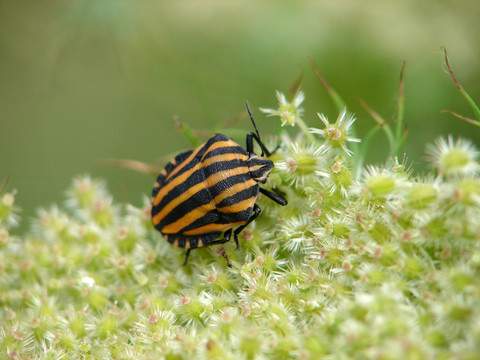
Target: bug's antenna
(251, 118)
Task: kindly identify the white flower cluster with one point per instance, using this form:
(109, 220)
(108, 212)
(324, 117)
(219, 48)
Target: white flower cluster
(376, 265)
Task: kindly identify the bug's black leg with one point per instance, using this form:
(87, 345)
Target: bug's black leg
(256, 212)
(224, 254)
(256, 136)
(186, 257)
(265, 151)
(275, 150)
(226, 237)
(275, 196)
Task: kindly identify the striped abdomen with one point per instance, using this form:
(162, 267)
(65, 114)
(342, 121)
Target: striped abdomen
(203, 193)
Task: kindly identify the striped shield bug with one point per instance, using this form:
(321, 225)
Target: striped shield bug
(204, 193)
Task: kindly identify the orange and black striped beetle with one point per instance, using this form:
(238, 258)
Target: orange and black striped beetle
(208, 191)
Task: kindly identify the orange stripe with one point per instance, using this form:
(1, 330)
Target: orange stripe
(183, 177)
(222, 157)
(213, 228)
(256, 167)
(214, 146)
(188, 218)
(220, 144)
(240, 206)
(186, 161)
(211, 181)
(232, 190)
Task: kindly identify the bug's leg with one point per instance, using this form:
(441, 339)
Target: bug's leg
(256, 136)
(275, 196)
(186, 257)
(250, 142)
(226, 237)
(224, 254)
(265, 151)
(256, 212)
(275, 150)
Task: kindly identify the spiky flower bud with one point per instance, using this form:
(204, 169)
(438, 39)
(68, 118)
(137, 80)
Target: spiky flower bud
(450, 157)
(336, 134)
(289, 112)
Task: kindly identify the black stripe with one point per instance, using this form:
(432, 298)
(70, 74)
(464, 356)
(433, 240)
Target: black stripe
(239, 196)
(169, 167)
(181, 241)
(195, 178)
(193, 243)
(200, 198)
(173, 163)
(226, 150)
(209, 218)
(217, 137)
(221, 186)
(183, 156)
(198, 157)
(226, 165)
(192, 240)
(214, 217)
(209, 238)
(243, 215)
(155, 189)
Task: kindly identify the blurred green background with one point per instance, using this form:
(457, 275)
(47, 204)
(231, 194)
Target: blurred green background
(85, 80)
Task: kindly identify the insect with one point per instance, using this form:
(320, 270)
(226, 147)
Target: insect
(208, 191)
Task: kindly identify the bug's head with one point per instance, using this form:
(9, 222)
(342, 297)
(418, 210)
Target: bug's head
(259, 167)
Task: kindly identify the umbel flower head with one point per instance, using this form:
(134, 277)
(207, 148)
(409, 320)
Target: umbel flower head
(289, 112)
(450, 157)
(383, 266)
(336, 135)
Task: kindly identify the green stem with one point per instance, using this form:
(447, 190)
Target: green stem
(400, 132)
(460, 88)
(360, 154)
(381, 124)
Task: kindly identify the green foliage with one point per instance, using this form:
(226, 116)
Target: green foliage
(376, 265)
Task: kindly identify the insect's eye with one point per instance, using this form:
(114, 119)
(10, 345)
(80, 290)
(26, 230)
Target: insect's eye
(259, 167)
